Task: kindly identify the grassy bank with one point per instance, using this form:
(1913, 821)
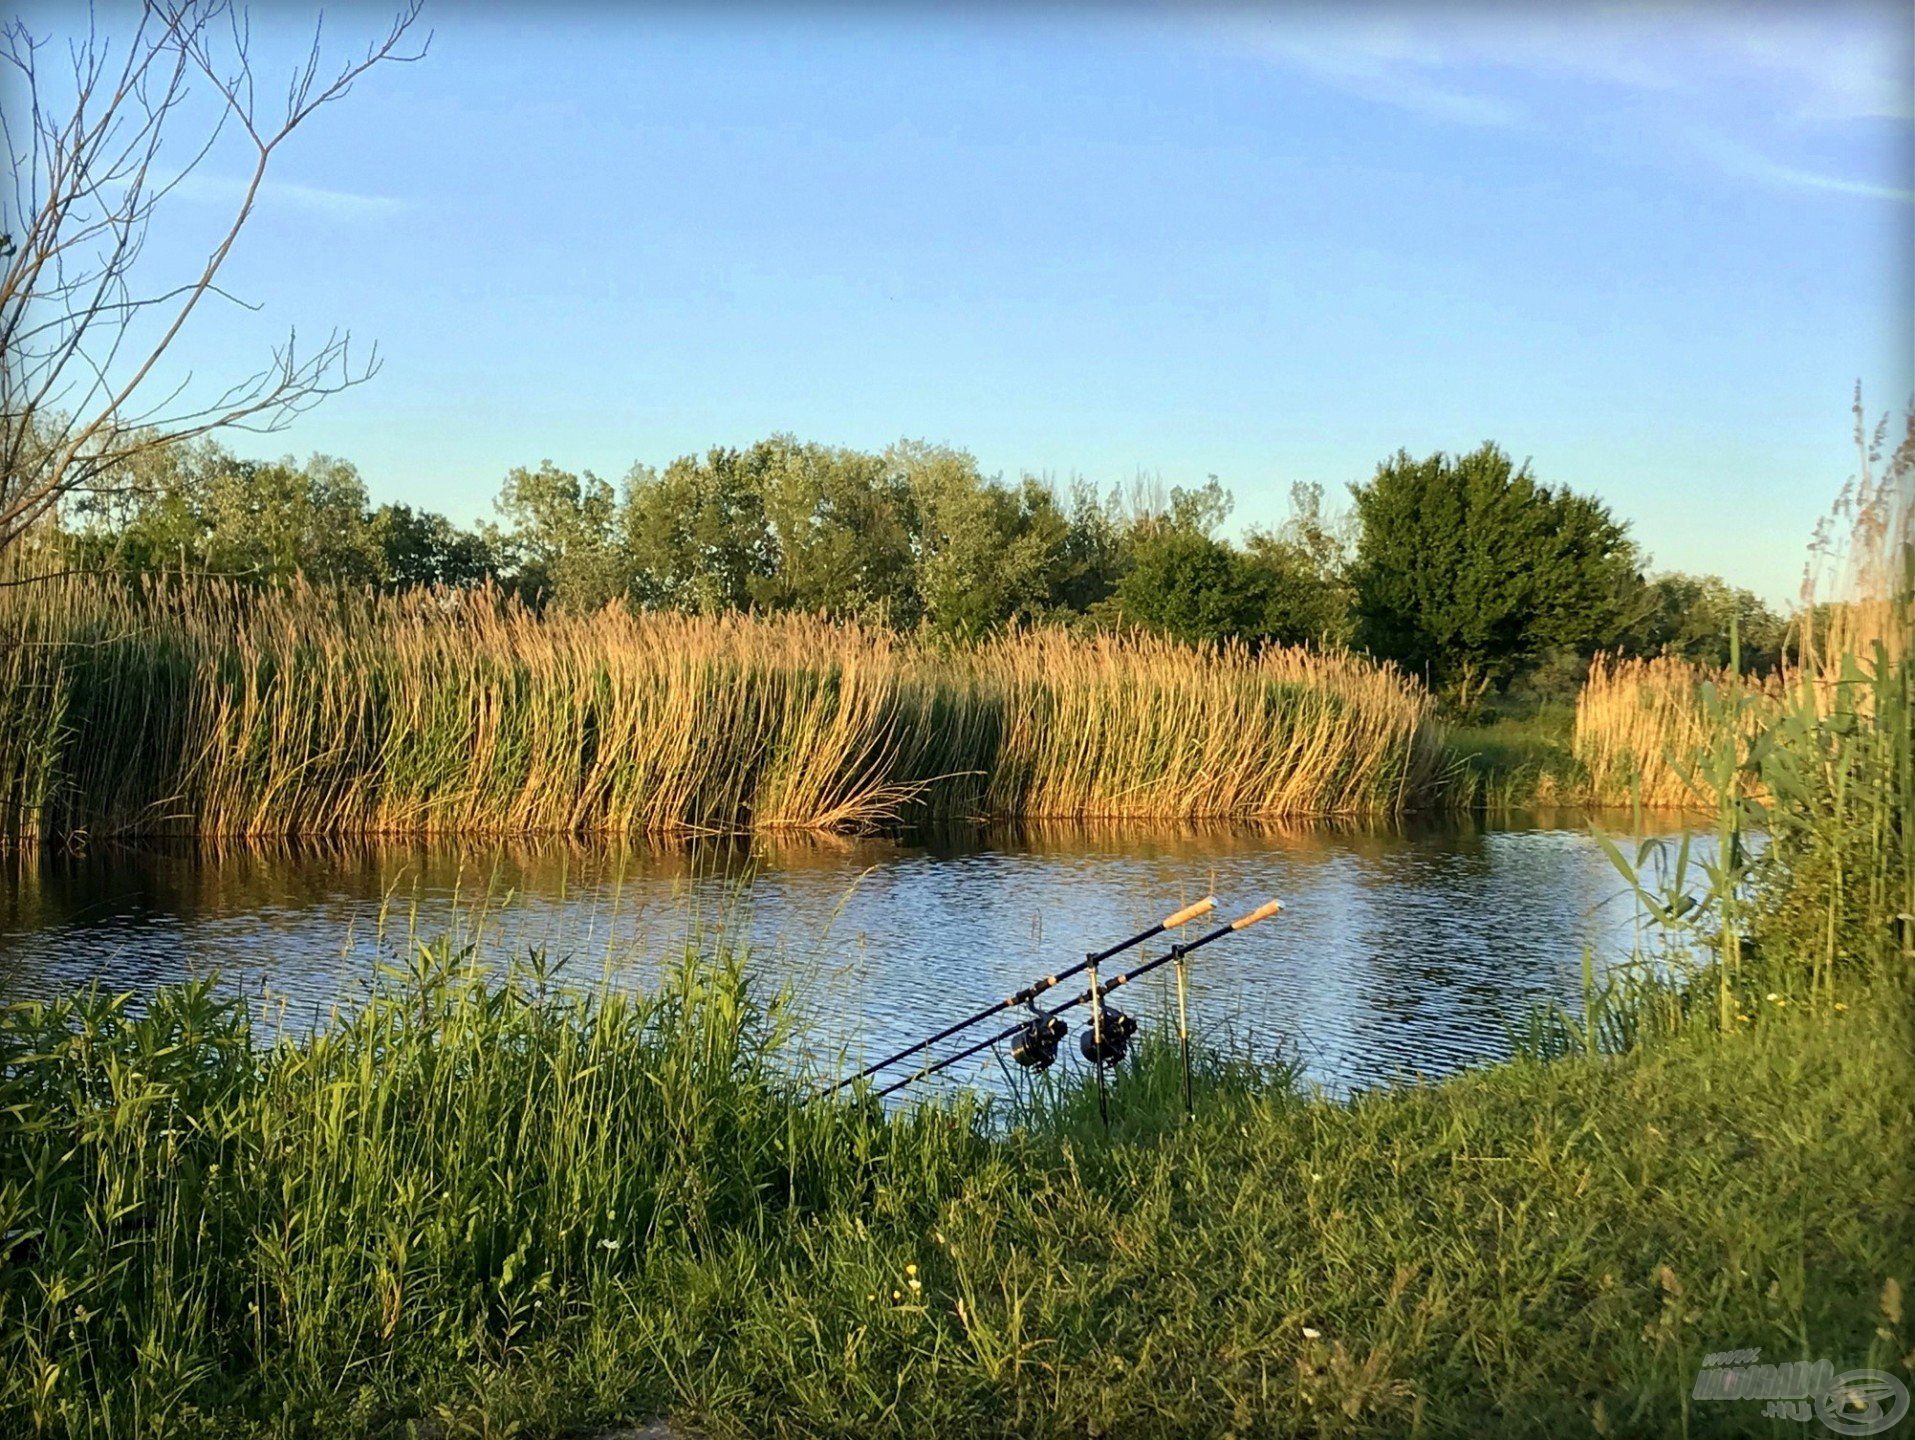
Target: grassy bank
(1516, 762)
(472, 1206)
(216, 710)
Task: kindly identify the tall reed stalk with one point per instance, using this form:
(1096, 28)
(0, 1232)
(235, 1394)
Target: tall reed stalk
(165, 707)
(1819, 763)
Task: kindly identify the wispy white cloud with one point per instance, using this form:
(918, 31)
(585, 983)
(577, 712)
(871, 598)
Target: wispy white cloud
(313, 199)
(1836, 61)
(1831, 71)
(1740, 159)
(1376, 62)
(1768, 75)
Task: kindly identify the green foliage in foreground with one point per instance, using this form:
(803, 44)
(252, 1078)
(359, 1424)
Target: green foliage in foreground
(480, 1207)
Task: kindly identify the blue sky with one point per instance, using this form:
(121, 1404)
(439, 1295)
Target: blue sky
(1651, 248)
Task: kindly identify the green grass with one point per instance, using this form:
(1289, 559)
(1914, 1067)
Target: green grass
(484, 1207)
(1517, 762)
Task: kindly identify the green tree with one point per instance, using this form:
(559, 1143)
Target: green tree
(277, 520)
(1298, 603)
(419, 547)
(1470, 570)
(1091, 560)
(1182, 583)
(839, 525)
(1304, 569)
(564, 536)
(155, 516)
(779, 525)
(987, 553)
(200, 507)
(695, 537)
(1179, 580)
(1690, 616)
(915, 535)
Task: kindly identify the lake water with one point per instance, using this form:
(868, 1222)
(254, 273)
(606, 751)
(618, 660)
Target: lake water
(1404, 949)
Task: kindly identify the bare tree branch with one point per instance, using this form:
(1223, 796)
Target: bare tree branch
(83, 339)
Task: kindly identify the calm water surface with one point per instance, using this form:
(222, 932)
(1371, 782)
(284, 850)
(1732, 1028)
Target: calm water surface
(1404, 949)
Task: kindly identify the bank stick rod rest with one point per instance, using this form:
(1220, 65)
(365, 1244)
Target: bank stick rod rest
(1045, 1019)
(1032, 991)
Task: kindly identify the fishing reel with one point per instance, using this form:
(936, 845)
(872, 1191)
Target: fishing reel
(1035, 1047)
(1106, 1044)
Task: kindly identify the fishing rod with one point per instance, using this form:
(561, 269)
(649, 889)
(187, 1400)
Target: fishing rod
(1037, 1039)
(1032, 991)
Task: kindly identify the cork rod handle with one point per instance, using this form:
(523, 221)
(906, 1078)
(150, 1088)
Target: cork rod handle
(1191, 912)
(1262, 912)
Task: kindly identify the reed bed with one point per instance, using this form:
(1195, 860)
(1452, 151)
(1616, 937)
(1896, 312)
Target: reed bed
(209, 709)
(1644, 727)
(1135, 728)
(1641, 724)
(1819, 760)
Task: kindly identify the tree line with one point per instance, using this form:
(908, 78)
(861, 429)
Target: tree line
(1466, 569)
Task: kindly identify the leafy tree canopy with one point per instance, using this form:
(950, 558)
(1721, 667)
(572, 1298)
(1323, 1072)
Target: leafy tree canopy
(1464, 568)
(1466, 565)
(1691, 615)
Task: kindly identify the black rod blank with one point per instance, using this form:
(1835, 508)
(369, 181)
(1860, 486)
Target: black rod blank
(1031, 992)
(1176, 952)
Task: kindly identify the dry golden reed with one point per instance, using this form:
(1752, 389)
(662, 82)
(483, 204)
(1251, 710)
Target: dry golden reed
(211, 709)
(1637, 721)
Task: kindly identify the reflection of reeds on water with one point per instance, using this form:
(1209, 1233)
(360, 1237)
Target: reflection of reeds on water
(213, 710)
